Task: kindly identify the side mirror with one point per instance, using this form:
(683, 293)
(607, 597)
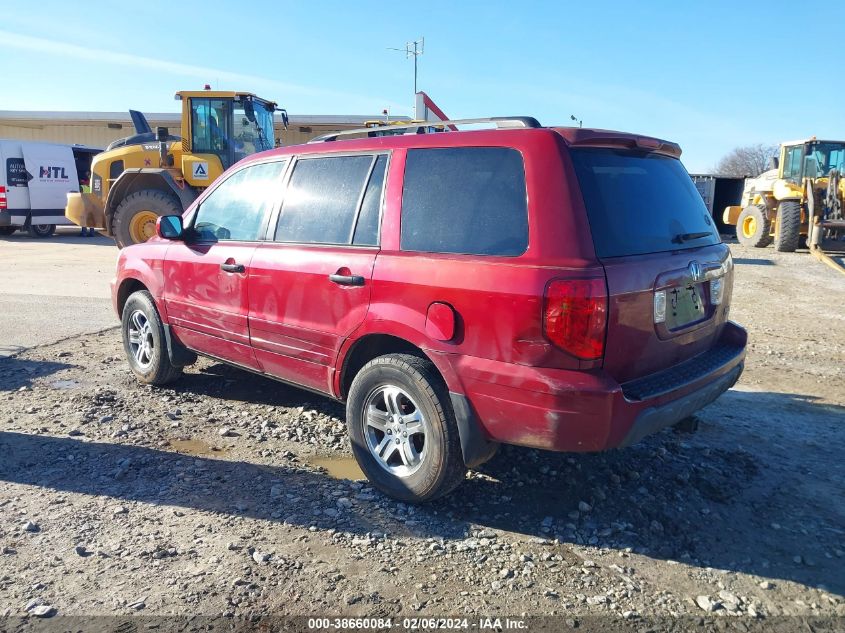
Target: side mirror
(170, 227)
(774, 162)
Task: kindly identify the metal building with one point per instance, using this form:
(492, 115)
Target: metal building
(98, 129)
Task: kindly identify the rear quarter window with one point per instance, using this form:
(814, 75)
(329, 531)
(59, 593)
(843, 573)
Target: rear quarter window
(640, 203)
(468, 200)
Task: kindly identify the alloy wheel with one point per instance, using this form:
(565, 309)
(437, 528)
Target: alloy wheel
(396, 430)
(141, 342)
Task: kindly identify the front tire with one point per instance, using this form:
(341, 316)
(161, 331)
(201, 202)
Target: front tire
(135, 217)
(144, 341)
(403, 430)
(788, 229)
(40, 231)
(753, 227)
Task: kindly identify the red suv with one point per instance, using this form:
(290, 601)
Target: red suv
(558, 288)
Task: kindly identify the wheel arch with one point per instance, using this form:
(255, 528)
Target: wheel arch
(124, 290)
(134, 180)
(365, 349)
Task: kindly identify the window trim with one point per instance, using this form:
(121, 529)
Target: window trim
(262, 233)
(519, 151)
(294, 160)
(380, 203)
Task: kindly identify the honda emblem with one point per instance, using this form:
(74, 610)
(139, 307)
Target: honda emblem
(695, 271)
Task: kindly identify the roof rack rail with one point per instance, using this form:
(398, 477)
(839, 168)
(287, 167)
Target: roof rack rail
(502, 122)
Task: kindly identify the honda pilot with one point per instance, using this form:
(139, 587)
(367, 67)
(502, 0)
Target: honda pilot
(557, 288)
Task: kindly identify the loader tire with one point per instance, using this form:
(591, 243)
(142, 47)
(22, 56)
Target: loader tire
(134, 219)
(788, 229)
(753, 227)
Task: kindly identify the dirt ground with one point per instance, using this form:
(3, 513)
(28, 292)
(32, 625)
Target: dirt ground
(213, 496)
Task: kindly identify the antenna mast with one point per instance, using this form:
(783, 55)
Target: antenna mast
(413, 49)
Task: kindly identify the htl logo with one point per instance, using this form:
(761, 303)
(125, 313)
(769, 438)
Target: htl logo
(53, 172)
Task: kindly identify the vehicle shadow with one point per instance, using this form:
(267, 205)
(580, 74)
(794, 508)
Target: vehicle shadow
(219, 380)
(61, 237)
(753, 261)
(667, 498)
(16, 372)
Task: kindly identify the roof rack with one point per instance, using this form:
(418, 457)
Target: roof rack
(502, 122)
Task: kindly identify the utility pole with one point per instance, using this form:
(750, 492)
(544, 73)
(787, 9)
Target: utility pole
(413, 49)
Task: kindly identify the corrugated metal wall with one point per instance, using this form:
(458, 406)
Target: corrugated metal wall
(93, 133)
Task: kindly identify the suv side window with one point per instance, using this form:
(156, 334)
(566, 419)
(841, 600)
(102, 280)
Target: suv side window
(325, 198)
(237, 209)
(469, 200)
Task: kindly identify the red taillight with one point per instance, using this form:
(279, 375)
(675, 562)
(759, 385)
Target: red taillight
(575, 316)
(3, 203)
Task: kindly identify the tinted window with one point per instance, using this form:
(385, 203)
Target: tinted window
(237, 209)
(322, 200)
(641, 203)
(465, 200)
(366, 231)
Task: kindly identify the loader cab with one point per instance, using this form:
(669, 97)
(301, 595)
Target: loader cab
(228, 125)
(811, 159)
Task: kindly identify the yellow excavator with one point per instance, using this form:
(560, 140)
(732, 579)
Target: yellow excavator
(141, 177)
(803, 196)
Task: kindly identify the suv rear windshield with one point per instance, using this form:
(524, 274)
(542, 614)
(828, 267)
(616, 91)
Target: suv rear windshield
(641, 203)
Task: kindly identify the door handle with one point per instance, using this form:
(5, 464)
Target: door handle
(233, 268)
(347, 280)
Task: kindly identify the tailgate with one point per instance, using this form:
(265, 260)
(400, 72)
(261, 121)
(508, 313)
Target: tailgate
(668, 274)
(638, 341)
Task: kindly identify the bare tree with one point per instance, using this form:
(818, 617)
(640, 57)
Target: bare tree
(747, 161)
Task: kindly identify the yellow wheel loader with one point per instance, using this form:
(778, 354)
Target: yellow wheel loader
(803, 190)
(141, 177)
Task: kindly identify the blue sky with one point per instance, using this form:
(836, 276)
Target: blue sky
(709, 75)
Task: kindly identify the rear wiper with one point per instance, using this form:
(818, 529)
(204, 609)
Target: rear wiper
(680, 238)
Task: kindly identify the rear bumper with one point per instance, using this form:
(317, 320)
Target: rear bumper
(588, 411)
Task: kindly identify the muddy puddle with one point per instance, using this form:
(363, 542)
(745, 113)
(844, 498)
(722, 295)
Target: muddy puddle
(64, 384)
(339, 467)
(195, 447)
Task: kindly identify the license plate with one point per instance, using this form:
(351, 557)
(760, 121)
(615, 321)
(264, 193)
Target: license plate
(685, 305)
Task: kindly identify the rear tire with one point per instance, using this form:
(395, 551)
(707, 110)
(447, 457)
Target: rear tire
(5, 231)
(788, 229)
(134, 219)
(421, 458)
(40, 231)
(753, 227)
(144, 341)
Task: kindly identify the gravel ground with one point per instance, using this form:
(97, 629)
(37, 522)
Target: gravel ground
(212, 496)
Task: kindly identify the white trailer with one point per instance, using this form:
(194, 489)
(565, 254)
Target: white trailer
(35, 179)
